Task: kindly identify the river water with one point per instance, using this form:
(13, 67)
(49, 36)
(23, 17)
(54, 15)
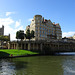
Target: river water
(38, 65)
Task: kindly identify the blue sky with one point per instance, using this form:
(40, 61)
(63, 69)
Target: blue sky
(16, 14)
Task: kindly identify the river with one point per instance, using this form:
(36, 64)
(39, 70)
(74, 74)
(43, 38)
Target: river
(38, 65)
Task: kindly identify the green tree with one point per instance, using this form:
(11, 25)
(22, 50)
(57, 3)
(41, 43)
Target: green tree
(4, 38)
(29, 35)
(20, 34)
(1, 38)
(32, 34)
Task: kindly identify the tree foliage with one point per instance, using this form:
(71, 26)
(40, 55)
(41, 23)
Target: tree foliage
(32, 34)
(20, 34)
(29, 35)
(4, 38)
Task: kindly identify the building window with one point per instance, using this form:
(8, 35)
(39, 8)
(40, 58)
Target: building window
(36, 18)
(52, 32)
(37, 35)
(43, 31)
(40, 31)
(43, 28)
(36, 31)
(40, 27)
(40, 21)
(36, 27)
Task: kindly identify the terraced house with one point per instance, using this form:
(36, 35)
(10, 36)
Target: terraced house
(45, 29)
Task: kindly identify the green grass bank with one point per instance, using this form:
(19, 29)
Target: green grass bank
(15, 52)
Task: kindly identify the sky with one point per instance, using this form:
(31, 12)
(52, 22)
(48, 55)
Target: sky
(17, 14)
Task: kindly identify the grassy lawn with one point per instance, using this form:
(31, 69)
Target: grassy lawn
(15, 52)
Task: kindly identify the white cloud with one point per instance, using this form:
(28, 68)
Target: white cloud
(13, 33)
(67, 34)
(9, 13)
(30, 19)
(17, 23)
(8, 29)
(6, 21)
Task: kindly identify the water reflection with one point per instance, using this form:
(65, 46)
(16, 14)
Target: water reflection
(66, 53)
(69, 65)
(39, 65)
(6, 68)
(10, 67)
(42, 65)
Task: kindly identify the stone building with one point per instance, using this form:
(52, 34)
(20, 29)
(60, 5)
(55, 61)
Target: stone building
(48, 36)
(4, 44)
(2, 30)
(73, 36)
(44, 46)
(45, 29)
(28, 27)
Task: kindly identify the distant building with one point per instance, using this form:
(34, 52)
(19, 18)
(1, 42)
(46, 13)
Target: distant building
(71, 37)
(4, 44)
(69, 40)
(74, 36)
(44, 29)
(2, 30)
(27, 27)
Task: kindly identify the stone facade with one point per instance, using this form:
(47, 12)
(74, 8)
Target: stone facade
(44, 46)
(2, 30)
(74, 36)
(4, 44)
(71, 37)
(25, 45)
(28, 27)
(45, 29)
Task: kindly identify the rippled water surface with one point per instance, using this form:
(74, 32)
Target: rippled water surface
(38, 65)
